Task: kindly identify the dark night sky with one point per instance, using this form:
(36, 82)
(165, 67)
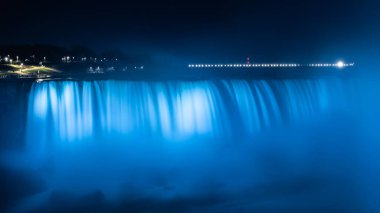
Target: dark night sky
(196, 30)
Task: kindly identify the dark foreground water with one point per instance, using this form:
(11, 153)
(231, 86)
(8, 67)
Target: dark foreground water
(190, 146)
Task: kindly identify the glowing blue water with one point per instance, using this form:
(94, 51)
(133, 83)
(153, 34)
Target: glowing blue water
(218, 146)
(70, 111)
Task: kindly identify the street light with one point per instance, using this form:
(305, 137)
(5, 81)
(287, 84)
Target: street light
(340, 64)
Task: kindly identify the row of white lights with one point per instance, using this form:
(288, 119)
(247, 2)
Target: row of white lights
(339, 64)
(243, 65)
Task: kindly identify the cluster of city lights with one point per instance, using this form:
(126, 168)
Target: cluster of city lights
(17, 60)
(339, 64)
(68, 59)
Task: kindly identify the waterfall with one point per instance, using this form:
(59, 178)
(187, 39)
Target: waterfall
(69, 111)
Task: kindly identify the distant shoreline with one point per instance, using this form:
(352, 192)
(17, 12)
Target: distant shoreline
(196, 75)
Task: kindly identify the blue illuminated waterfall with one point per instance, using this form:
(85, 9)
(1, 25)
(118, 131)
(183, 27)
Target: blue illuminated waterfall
(67, 111)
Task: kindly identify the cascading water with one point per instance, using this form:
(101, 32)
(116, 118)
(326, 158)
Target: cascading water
(68, 111)
(216, 145)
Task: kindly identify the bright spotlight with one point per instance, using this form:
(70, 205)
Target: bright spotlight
(340, 64)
